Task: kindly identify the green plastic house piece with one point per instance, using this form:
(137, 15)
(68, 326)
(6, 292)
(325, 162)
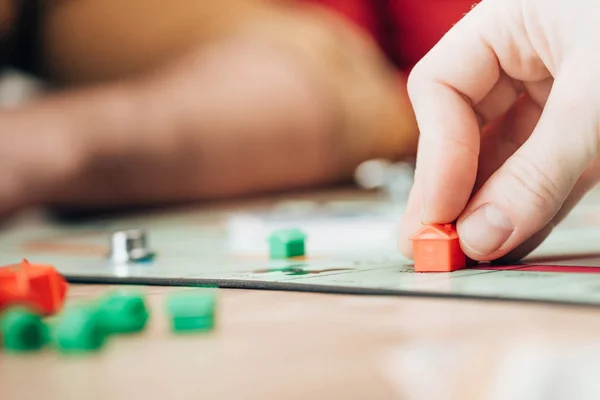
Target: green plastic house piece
(79, 330)
(122, 312)
(192, 311)
(22, 330)
(287, 243)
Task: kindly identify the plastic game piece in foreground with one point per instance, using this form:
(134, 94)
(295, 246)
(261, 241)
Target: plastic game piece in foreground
(48, 288)
(14, 286)
(37, 286)
(287, 243)
(436, 248)
(79, 330)
(192, 311)
(122, 312)
(22, 330)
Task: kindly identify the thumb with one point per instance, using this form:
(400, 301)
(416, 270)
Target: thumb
(523, 195)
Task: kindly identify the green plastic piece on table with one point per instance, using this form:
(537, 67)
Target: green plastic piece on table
(287, 243)
(79, 330)
(192, 311)
(22, 330)
(123, 312)
(193, 324)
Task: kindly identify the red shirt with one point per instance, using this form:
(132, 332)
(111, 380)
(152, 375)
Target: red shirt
(405, 29)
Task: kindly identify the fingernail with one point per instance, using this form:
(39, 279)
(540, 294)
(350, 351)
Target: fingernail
(485, 230)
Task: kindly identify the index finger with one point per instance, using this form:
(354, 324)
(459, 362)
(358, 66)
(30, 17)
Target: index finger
(443, 87)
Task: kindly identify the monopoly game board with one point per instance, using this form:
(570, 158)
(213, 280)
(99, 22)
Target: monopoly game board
(350, 249)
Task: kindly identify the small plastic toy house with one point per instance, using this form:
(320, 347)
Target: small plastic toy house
(286, 243)
(436, 248)
(37, 286)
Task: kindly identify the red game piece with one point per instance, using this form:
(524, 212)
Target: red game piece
(38, 286)
(14, 285)
(47, 287)
(437, 249)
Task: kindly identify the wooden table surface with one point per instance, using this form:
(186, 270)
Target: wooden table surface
(286, 345)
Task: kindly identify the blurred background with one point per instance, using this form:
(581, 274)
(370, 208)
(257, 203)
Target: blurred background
(142, 103)
(17, 88)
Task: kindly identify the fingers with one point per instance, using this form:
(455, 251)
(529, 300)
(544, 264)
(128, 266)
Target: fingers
(500, 99)
(525, 194)
(458, 73)
(499, 141)
(411, 219)
(588, 180)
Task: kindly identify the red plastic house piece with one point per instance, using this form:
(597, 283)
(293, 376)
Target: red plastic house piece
(436, 248)
(38, 286)
(48, 288)
(14, 285)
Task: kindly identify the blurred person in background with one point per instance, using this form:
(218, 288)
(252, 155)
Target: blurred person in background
(155, 102)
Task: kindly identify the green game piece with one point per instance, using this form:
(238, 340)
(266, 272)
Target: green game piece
(79, 329)
(22, 330)
(286, 243)
(122, 312)
(192, 311)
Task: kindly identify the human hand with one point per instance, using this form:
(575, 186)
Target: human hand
(508, 106)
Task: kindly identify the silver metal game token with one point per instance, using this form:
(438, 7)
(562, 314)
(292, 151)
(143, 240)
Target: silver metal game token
(130, 245)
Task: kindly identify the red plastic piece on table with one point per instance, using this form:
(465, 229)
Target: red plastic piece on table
(37, 286)
(436, 248)
(48, 288)
(14, 285)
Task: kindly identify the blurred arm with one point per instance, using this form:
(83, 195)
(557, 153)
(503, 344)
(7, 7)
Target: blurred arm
(180, 106)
